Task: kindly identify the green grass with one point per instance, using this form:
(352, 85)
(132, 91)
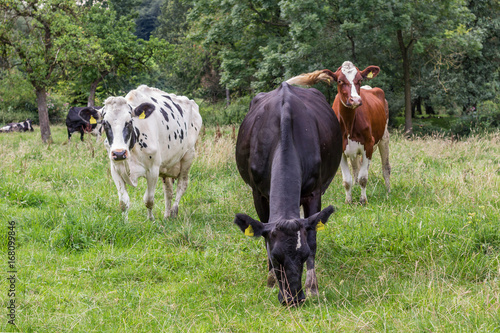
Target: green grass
(423, 259)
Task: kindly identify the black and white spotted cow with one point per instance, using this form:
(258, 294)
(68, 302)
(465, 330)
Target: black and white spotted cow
(84, 120)
(18, 127)
(151, 134)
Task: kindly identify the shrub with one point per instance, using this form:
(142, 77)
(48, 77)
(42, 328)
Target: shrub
(221, 114)
(483, 119)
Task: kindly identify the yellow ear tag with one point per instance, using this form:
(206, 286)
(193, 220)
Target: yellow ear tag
(370, 75)
(320, 226)
(142, 116)
(249, 231)
(92, 120)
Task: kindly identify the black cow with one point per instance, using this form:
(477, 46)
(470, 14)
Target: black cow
(84, 120)
(18, 127)
(288, 149)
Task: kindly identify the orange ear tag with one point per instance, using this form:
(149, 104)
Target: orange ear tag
(142, 116)
(249, 231)
(92, 120)
(370, 75)
(320, 226)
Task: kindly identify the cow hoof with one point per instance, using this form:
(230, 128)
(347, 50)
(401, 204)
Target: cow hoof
(312, 291)
(271, 279)
(363, 201)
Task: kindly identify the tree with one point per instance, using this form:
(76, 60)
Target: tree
(42, 36)
(115, 48)
(258, 42)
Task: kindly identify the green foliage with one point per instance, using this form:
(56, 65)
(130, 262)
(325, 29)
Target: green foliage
(485, 118)
(221, 114)
(205, 49)
(17, 99)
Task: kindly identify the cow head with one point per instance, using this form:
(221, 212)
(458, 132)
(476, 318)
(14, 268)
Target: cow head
(28, 125)
(349, 78)
(289, 244)
(118, 123)
(90, 115)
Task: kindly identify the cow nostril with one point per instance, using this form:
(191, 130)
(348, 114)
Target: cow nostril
(119, 155)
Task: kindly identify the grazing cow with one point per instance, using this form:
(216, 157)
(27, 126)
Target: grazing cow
(288, 149)
(363, 113)
(151, 133)
(84, 120)
(18, 127)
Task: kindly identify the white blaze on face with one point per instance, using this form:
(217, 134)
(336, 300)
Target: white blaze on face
(350, 71)
(117, 116)
(299, 243)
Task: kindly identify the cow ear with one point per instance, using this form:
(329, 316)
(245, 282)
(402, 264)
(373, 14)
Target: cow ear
(318, 220)
(249, 226)
(370, 72)
(90, 115)
(331, 76)
(144, 110)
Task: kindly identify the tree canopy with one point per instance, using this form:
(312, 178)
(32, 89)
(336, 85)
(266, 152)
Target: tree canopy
(443, 55)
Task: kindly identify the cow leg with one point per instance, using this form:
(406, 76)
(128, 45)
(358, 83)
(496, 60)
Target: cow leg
(363, 177)
(122, 192)
(384, 155)
(168, 190)
(346, 176)
(183, 179)
(310, 208)
(355, 163)
(261, 204)
(149, 195)
(81, 134)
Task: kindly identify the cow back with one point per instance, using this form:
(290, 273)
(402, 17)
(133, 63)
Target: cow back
(171, 130)
(301, 117)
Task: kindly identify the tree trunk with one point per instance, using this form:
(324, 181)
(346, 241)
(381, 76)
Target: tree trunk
(43, 115)
(93, 88)
(228, 97)
(405, 53)
(353, 49)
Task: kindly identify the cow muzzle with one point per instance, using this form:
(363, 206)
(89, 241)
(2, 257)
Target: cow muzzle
(292, 300)
(119, 155)
(354, 102)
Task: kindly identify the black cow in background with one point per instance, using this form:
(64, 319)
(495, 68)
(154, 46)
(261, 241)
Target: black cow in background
(84, 120)
(18, 127)
(288, 149)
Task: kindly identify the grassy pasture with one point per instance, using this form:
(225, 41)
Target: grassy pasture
(423, 259)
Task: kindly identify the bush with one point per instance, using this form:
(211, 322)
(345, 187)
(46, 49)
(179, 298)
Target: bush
(17, 98)
(483, 119)
(221, 114)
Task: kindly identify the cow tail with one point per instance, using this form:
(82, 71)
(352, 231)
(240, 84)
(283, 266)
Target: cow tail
(309, 79)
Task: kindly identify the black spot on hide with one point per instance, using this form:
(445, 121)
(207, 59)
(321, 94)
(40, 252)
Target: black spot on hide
(177, 106)
(164, 114)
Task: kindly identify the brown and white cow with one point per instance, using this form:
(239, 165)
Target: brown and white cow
(151, 134)
(363, 113)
